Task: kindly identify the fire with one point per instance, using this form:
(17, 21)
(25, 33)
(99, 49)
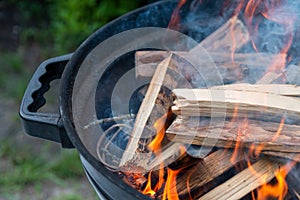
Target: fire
(269, 9)
(159, 126)
(148, 191)
(279, 130)
(170, 191)
(269, 190)
(174, 22)
(234, 42)
(241, 131)
(279, 190)
(155, 146)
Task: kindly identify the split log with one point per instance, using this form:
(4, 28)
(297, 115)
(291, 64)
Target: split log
(246, 66)
(144, 58)
(287, 155)
(230, 72)
(229, 37)
(279, 89)
(245, 181)
(216, 132)
(271, 77)
(145, 110)
(167, 156)
(207, 170)
(210, 102)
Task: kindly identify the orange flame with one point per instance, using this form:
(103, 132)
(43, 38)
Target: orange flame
(279, 190)
(268, 10)
(268, 190)
(242, 131)
(279, 130)
(170, 191)
(148, 191)
(161, 179)
(155, 146)
(256, 150)
(159, 126)
(175, 18)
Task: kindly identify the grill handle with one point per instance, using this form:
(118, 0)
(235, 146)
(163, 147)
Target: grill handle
(44, 125)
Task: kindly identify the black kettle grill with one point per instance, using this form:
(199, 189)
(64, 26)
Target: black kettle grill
(89, 76)
(61, 127)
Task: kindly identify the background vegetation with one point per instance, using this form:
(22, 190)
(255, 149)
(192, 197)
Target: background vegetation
(67, 23)
(32, 32)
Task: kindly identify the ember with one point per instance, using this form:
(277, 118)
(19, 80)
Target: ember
(250, 122)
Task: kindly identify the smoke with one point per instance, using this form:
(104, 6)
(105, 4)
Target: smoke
(272, 26)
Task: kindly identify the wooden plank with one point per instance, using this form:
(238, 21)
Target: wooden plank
(216, 132)
(207, 170)
(279, 89)
(167, 156)
(228, 38)
(245, 181)
(286, 155)
(145, 110)
(210, 102)
(146, 61)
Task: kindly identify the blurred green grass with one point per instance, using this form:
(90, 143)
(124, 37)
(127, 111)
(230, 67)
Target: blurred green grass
(23, 168)
(46, 28)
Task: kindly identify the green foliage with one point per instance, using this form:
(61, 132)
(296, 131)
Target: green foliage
(65, 24)
(34, 18)
(75, 20)
(68, 197)
(11, 66)
(23, 168)
(67, 166)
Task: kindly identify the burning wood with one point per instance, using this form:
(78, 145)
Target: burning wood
(213, 103)
(277, 104)
(225, 134)
(228, 38)
(244, 182)
(243, 66)
(145, 110)
(206, 171)
(231, 36)
(279, 89)
(287, 155)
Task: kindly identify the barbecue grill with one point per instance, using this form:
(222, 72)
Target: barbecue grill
(93, 81)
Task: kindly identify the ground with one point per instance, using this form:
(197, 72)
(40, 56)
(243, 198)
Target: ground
(30, 168)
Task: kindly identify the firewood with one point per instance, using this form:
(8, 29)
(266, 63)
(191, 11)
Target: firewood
(228, 71)
(229, 37)
(297, 194)
(253, 60)
(216, 132)
(244, 182)
(286, 155)
(145, 110)
(208, 169)
(166, 156)
(243, 66)
(279, 89)
(210, 102)
(271, 77)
